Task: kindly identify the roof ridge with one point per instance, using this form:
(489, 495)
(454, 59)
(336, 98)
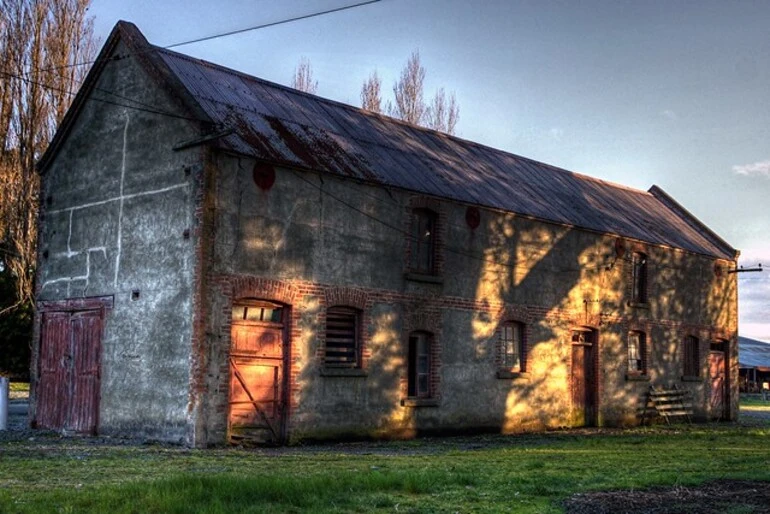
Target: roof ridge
(306, 130)
(390, 119)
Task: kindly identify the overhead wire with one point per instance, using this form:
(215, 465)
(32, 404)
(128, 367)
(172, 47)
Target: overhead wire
(448, 248)
(605, 264)
(216, 36)
(154, 110)
(150, 108)
(272, 24)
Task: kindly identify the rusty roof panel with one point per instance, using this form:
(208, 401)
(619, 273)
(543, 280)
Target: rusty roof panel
(289, 127)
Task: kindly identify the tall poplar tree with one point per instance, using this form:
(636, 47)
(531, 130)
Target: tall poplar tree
(43, 43)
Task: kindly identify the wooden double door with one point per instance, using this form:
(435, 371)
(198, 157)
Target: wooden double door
(258, 378)
(67, 396)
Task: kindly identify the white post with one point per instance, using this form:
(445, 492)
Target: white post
(3, 403)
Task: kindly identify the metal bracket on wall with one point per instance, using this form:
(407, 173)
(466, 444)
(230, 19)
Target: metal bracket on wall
(746, 270)
(204, 139)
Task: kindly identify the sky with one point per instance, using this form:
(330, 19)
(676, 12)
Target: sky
(674, 93)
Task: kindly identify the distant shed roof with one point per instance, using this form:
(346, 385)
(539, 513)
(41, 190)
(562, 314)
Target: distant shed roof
(753, 353)
(296, 129)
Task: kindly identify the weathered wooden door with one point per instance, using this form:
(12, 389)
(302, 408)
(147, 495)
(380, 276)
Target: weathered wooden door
(68, 390)
(257, 376)
(717, 376)
(53, 386)
(583, 378)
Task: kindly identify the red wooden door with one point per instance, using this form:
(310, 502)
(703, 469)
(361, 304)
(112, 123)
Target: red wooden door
(717, 375)
(53, 386)
(583, 379)
(84, 375)
(257, 380)
(68, 396)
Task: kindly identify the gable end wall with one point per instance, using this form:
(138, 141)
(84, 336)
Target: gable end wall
(118, 220)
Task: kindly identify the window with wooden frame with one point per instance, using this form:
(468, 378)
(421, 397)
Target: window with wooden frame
(512, 349)
(691, 355)
(419, 365)
(637, 353)
(639, 278)
(248, 310)
(342, 338)
(422, 254)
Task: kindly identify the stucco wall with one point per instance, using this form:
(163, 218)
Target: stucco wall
(314, 236)
(116, 204)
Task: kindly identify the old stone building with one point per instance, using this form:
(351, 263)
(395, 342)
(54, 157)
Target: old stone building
(226, 259)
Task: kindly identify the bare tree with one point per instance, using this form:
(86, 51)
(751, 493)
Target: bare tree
(41, 41)
(303, 77)
(371, 98)
(443, 113)
(408, 92)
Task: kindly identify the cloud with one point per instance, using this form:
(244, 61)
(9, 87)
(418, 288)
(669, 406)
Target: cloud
(758, 168)
(759, 331)
(669, 115)
(556, 133)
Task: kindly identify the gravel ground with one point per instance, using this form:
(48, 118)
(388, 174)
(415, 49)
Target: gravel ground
(18, 430)
(17, 422)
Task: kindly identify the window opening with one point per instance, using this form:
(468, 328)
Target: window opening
(636, 353)
(342, 348)
(424, 240)
(639, 279)
(582, 336)
(512, 339)
(419, 365)
(691, 357)
(257, 312)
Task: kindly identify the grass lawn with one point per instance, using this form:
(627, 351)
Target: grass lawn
(530, 473)
(18, 390)
(20, 387)
(754, 400)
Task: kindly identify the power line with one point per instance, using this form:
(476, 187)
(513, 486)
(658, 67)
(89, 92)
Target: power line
(151, 109)
(448, 248)
(272, 24)
(216, 36)
(487, 260)
(148, 108)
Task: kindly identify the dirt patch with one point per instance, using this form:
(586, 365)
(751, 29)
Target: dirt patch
(738, 496)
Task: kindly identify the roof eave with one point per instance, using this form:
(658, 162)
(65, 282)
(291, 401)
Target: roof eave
(690, 218)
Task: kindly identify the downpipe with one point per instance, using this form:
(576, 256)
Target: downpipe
(4, 403)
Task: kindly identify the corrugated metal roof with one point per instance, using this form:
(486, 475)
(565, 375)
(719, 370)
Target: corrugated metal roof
(753, 353)
(289, 127)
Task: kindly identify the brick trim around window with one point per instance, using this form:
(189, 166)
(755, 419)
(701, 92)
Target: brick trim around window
(425, 321)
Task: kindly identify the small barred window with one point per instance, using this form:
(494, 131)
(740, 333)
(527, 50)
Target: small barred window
(342, 338)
